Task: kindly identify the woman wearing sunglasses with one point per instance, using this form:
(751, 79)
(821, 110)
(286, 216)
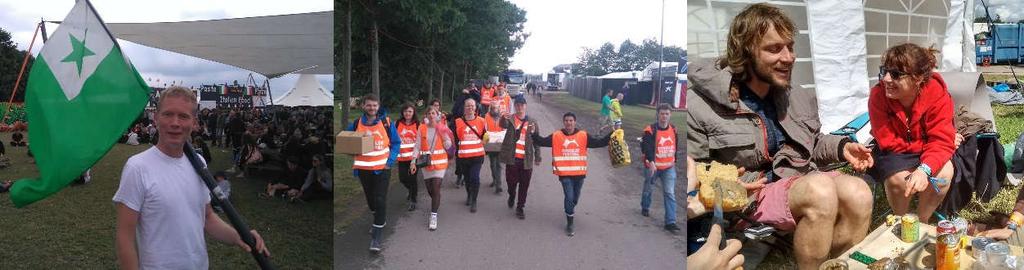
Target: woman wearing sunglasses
(911, 115)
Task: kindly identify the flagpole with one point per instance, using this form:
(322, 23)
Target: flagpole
(17, 82)
(229, 210)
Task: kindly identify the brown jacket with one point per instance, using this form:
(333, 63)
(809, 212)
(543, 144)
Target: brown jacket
(729, 132)
(508, 146)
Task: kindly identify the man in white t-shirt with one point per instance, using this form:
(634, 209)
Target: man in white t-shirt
(163, 207)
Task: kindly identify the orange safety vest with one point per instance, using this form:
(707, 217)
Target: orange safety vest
(486, 94)
(502, 104)
(521, 142)
(470, 145)
(408, 135)
(569, 153)
(376, 159)
(438, 154)
(664, 147)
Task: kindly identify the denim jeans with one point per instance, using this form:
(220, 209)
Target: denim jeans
(571, 186)
(668, 186)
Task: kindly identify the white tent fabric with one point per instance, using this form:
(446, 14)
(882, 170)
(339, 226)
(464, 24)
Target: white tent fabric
(839, 42)
(306, 92)
(270, 45)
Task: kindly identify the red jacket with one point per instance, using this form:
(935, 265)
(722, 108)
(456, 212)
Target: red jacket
(933, 107)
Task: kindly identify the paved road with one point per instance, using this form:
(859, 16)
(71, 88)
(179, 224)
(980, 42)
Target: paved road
(610, 232)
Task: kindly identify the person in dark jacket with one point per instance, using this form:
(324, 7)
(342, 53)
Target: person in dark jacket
(660, 146)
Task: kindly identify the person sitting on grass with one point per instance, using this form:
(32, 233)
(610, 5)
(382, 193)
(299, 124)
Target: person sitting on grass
(318, 184)
(291, 178)
(911, 116)
(18, 139)
(5, 186)
(225, 188)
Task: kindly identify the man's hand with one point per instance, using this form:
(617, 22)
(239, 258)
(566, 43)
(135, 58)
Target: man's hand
(859, 156)
(957, 139)
(260, 246)
(918, 182)
(694, 208)
(710, 257)
(752, 186)
(412, 168)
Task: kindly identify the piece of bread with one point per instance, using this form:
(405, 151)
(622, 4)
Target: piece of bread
(735, 196)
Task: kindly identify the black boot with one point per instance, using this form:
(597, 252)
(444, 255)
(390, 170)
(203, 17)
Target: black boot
(511, 201)
(375, 239)
(469, 195)
(472, 197)
(520, 214)
(568, 226)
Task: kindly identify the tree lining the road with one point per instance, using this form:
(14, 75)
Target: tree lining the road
(629, 57)
(424, 49)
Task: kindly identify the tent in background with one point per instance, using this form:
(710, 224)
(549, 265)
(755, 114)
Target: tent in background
(839, 58)
(306, 92)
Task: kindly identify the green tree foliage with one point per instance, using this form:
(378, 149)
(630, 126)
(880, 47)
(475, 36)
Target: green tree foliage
(10, 63)
(459, 39)
(629, 57)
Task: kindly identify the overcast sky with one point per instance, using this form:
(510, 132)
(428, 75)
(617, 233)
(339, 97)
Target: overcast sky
(1008, 10)
(560, 29)
(20, 17)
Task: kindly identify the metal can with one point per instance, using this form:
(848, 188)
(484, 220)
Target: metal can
(996, 253)
(978, 247)
(947, 252)
(944, 227)
(910, 228)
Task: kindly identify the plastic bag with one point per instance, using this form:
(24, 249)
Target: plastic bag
(618, 151)
(734, 196)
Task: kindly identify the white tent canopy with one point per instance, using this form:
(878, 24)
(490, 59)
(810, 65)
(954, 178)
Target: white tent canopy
(840, 42)
(306, 92)
(270, 45)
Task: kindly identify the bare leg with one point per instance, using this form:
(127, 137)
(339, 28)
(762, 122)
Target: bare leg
(814, 204)
(895, 187)
(854, 216)
(929, 200)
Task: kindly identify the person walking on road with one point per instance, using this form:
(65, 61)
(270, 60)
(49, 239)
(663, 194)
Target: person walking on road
(569, 161)
(407, 129)
(616, 111)
(432, 140)
(519, 153)
(469, 139)
(606, 110)
(458, 111)
(374, 168)
(494, 131)
(660, 147)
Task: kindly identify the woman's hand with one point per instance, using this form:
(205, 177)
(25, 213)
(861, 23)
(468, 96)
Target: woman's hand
(916, 182)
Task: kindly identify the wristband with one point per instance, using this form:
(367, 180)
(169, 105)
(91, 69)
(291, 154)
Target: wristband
(924, 167)
(1016, 219)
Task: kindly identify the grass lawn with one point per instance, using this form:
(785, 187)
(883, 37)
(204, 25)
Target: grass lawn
(74, 229)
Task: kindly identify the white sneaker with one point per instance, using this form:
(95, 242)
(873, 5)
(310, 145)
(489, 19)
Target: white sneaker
(433, 221)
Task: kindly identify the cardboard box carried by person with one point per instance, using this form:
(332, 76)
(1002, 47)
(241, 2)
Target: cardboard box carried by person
(353, 143)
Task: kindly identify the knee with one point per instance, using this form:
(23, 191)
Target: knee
(819, 193)
(947, 171)
(856, 194)
(897, 180)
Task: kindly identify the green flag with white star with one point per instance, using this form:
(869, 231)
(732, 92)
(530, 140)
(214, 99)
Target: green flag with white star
(82, 94)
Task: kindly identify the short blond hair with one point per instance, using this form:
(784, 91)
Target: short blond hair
(179, 92)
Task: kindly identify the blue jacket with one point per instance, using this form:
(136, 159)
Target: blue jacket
(393, 138)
